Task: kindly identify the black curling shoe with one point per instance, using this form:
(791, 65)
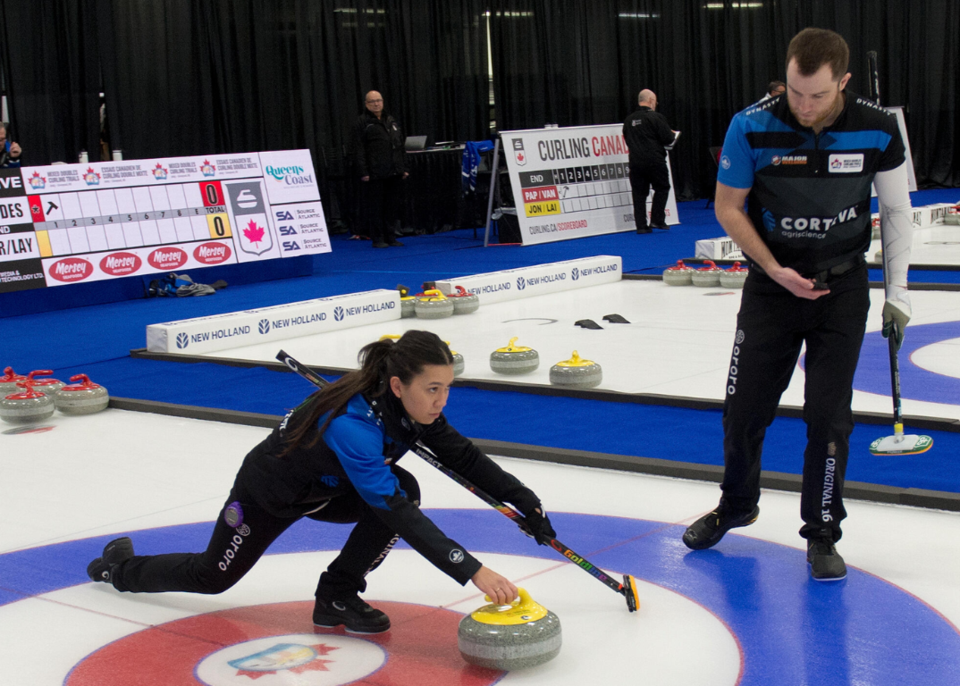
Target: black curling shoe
(707, 531)
(357, 616)
(115, 552)
(825, 562)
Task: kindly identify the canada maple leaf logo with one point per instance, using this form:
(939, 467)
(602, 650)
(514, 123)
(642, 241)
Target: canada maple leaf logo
(253, 232)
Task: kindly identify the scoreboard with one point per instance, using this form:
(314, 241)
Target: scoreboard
(574, 181)
(65, 224)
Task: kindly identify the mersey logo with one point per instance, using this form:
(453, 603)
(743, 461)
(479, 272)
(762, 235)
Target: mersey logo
(183, 340)
(264, 326)
(70, 269)
(575, 274)
(120, 264)
(159, 173)
(521, 283)
(338, 313)
(91, 177)
(208, 169)
(212, 253)
(167, 258)
(37, 182)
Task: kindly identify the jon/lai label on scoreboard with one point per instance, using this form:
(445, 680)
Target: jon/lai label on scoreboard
(573, 182)
(66, 224)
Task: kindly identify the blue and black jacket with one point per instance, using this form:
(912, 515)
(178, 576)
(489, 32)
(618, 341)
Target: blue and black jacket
(810, 192)
(355, 455)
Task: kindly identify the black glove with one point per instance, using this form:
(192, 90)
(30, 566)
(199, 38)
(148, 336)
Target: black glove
(540, 528)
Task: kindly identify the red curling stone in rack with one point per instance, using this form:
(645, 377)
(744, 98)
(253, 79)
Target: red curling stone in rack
(9, 381)
(84, 397)
(26, 407)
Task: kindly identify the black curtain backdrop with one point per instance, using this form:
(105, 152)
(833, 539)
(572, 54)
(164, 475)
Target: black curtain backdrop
(186, 77)
(51, 58)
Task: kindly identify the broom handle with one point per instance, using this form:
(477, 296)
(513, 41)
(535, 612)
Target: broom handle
(423, 452)
(895, 381)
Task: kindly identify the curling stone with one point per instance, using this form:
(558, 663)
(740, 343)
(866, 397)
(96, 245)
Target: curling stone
(678, 275)
(522, 634)
(464, 302)
(708, 275)
(952, 216)
(734, 277)
(576, 372)
(85, 397)
(433, 305)
(514, 359)
(26, 407)
(47, 386)
(458, 361)
(9, 381)
(408, 303)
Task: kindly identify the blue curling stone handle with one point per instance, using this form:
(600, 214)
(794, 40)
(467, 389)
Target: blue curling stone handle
(233, 514)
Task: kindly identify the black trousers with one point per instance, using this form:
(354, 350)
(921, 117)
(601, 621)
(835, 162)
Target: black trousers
(771, 326)
(642, 178)
(232, 552)
(381, 198)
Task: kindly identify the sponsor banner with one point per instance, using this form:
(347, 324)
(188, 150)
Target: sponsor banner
(302, 229)
(573, 182)
(67, 269)
(127, 173)
(289, 176)
(249, 327)
(20, 275)
(512, 284)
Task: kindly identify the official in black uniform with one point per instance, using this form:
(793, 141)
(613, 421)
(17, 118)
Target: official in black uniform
(381, 161)
(804, 162)
(333, 459)
(648, 136)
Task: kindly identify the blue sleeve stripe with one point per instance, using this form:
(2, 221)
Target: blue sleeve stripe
(860, 140)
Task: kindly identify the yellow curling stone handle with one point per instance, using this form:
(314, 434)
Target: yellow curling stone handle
(520, 611)
(511, 348)
(433, 294)
(576, 361)
(390, 336)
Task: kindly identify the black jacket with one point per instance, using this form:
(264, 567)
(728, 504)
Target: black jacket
(646, 133)
(379, 146)
(355, 453)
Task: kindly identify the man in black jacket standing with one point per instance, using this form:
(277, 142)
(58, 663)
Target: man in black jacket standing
(380, 161)
(648, 136)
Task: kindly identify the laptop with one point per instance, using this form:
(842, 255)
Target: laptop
(415, 143)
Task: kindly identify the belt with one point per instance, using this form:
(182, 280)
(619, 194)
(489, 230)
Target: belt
(838, 269)
(826, 274)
